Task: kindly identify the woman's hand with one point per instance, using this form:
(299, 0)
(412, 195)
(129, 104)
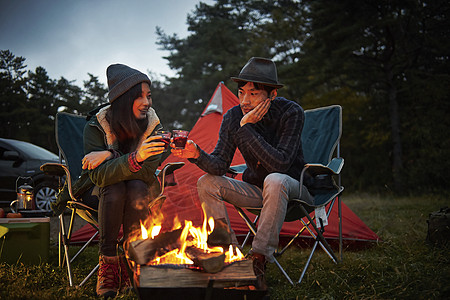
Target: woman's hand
(92, 160)
(150, 147)
(256, 114)
(190, 150)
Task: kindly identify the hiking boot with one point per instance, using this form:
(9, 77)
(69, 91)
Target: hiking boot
(125, 282)
(221, 235)
(108, 276)
(259, 268)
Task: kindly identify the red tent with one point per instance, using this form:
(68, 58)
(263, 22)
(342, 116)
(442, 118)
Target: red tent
(182, 199)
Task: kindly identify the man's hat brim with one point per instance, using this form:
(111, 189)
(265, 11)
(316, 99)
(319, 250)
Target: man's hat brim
(238, 79)
(259, 70)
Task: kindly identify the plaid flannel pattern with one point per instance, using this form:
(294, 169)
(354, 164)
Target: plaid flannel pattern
(271, 145)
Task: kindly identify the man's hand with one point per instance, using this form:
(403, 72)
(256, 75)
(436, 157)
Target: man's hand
(256, 114)
(92, 160)
(190, 150)
(150, 148)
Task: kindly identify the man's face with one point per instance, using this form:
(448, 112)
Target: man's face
(250, 97)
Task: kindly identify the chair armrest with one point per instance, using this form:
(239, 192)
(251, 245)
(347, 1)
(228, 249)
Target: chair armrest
(80, 205)
(333, 168)
(59, 170)
(233, 171)
(54, 169)
(167, 170)
(237, 169)
(336, 164)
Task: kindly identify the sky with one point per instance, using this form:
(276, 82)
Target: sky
(71, 38)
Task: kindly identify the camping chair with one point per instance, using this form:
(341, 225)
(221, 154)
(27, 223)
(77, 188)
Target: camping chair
(69, 138)
(320, 138)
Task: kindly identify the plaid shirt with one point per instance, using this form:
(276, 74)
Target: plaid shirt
(273, 145)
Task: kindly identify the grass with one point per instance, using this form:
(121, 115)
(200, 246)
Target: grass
(401, 266)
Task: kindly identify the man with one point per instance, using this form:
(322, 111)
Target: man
(267, 131)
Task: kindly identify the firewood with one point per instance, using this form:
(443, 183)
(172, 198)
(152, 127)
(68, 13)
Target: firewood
(209, 262)
(144, 251)
(239, 273)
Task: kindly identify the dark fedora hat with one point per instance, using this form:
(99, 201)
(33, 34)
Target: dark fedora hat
(260, 70)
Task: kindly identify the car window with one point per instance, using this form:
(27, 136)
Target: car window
(34, 151)
(2, 151)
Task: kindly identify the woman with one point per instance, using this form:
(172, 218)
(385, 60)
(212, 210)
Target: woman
(119, 168)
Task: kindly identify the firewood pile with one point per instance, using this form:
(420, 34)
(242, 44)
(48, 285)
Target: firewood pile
(182, 258)
(146, 251)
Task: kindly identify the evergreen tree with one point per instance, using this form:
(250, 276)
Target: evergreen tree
(95, 94)
(12, 93)
(42, 105)
(219, 45)
(376, 48)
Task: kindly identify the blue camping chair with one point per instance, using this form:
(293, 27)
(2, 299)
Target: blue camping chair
(69, 138)
(320, 139)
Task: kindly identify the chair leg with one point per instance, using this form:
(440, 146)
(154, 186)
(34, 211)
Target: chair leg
(246, 219)
(252, 228)
(340, 228)
(320, 236)
(94, 270)
(314, 236)
(60, 259)
(249, 233)
(279, 253)
(338, 198)
(308, 262)
(282, 271)
(84, 246)
(66, 247)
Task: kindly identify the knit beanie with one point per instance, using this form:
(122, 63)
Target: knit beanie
(121, 78)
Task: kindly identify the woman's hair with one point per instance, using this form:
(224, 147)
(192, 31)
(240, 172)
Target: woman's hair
(259, 86)
(124, 124)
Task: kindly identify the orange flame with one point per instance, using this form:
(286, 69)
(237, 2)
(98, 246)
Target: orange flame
(191, 236)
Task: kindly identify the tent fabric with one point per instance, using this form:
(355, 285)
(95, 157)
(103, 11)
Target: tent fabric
(182, 199)
(215, 104)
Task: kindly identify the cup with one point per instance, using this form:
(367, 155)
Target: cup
(179, 138)
(165, 138)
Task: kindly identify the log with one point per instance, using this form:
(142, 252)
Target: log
(239, 273)
(208, 262)
(144, 251)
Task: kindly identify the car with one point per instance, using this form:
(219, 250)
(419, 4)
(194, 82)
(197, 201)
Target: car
(20, 164)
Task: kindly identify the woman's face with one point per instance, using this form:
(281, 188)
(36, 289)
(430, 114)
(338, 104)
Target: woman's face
(143, 103)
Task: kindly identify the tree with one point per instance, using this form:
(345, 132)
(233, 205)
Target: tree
(42, 104)
(94, 94)
(216, 50)
(375, 48)
(12, 92)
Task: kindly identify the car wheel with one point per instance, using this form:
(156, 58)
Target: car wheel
(45, 194)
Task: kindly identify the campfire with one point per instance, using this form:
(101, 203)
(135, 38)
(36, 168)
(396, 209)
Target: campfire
(178, 258)
(184, 246)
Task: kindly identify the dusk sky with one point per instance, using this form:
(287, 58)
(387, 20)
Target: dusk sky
(75, 37)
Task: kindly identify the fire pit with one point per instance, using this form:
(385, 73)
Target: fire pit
(178, 262)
